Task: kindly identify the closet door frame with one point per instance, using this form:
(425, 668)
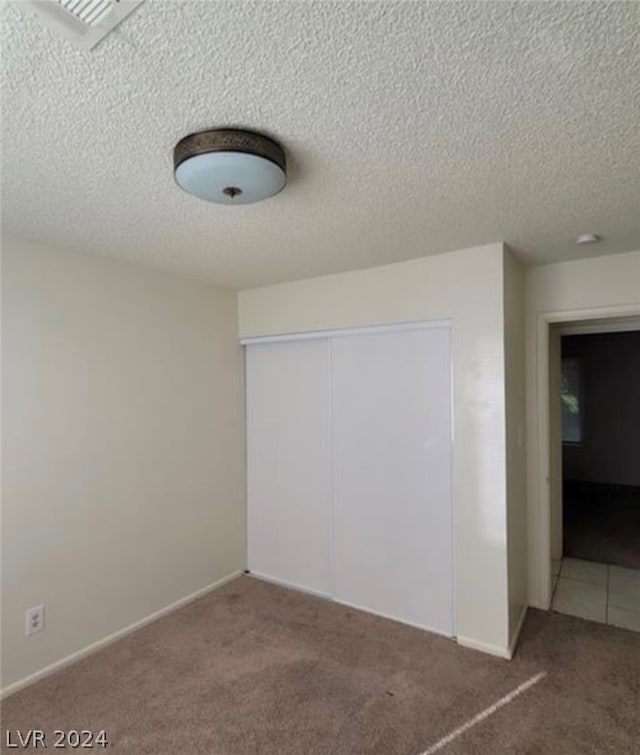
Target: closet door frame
(363, 330)
(444, 322)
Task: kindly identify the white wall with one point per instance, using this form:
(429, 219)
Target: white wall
(515, 440)
(123, 486)
(568, 291)
(467, 287)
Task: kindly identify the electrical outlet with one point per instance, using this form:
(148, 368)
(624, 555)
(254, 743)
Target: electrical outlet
(34, 620)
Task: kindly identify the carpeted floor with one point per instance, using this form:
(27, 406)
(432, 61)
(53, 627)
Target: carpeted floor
(255, 668)
(601, 523)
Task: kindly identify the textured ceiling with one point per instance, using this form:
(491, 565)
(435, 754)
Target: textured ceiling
(411, 128)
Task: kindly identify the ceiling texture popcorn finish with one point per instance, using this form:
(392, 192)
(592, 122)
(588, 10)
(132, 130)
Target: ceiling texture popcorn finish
(411, 128)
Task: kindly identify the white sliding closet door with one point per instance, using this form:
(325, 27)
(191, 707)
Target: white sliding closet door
(392, 550)
(289, 462)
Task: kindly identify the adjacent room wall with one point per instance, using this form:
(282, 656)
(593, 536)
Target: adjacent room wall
(515, 406)
(610, 448)
(593, 288)
(123, 488)
(467, 287)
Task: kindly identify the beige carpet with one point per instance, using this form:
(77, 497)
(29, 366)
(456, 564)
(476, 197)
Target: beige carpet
(254, 668)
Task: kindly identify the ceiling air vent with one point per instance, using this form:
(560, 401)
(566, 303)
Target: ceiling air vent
(83, 22)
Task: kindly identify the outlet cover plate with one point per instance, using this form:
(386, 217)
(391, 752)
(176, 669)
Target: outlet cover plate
(34, 620)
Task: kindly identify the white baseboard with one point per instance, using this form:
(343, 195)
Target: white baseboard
(516, 634)
(289, 585)
(497, 650)
(99, 644)
(485, 647)
(326, 596)
(389, 616)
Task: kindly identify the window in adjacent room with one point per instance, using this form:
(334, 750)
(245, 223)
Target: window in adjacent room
(572, 401)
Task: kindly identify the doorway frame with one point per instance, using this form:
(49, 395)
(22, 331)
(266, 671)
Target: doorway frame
(603, 319)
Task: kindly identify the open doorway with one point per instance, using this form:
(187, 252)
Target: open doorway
(595, 470)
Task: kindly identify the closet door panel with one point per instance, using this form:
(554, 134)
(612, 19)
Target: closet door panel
(391, 396)
(289, 462)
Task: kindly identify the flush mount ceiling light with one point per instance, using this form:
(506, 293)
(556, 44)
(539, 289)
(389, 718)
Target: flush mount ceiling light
(229, 166)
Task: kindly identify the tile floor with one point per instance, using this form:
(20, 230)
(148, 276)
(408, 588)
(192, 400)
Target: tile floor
(599, 592)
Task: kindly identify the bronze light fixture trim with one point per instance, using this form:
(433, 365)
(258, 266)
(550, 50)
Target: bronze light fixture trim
(229, 166)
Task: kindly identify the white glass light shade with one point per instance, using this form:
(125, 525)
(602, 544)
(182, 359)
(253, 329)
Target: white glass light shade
(230, 177)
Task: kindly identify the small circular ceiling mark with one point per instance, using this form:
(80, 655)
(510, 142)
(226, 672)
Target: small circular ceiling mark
(587, 238)
(229, 166)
